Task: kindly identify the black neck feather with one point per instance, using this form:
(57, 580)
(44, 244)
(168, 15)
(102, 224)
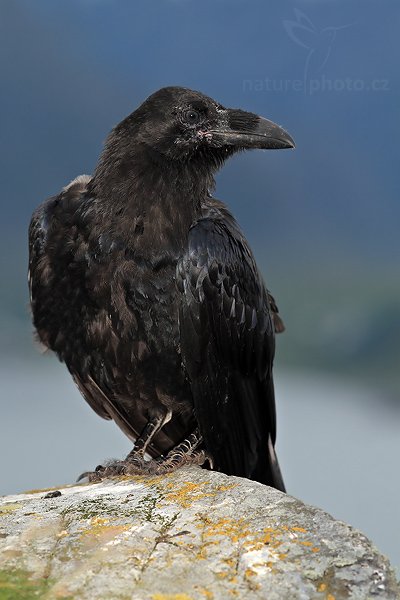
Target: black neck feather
(148, 199)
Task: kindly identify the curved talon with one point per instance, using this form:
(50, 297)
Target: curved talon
(83, 475)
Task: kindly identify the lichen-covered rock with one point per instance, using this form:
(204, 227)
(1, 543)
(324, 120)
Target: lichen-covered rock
(191, 535)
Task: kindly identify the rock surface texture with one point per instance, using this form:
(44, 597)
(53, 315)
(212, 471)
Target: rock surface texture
(191, 535)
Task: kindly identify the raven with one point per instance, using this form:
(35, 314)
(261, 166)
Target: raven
(143, 284)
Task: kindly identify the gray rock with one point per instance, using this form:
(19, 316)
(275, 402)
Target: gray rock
(191, 535)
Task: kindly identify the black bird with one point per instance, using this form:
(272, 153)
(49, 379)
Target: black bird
(144, 285)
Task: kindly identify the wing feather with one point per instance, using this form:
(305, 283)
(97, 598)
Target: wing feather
(227, 341)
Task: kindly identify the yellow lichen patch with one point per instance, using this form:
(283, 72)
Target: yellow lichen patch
(10, 507)
(323, 588)
(268, 537)
(98, 521)
(230, 562)
(305, 543)
(206, 593)
(157, 481)
(102, 534)
(187, 494)
(226, 487)
(249, 573)
(171, 597)
(101, 529)
(222, 574)
(234, 529)
(273, 538)
(228, 575)
(202, 551)
(274, 543)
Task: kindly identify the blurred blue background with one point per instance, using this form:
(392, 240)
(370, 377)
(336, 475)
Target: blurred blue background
(323, 220)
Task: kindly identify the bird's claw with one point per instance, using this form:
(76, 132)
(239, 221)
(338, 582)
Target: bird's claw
(134, 466)
(139, 466)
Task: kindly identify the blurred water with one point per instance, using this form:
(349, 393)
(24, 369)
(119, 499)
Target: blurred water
(338, 445)
(339, 448)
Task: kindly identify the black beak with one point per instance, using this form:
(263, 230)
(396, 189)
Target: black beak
(247, 130)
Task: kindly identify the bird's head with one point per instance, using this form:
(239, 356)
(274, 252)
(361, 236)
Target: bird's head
(178, 124)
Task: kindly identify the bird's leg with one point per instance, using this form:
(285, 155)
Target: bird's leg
(136, 455)
(134, 463)
(186, 453)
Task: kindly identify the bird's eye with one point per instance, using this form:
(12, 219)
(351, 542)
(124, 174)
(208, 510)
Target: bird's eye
(191, 116)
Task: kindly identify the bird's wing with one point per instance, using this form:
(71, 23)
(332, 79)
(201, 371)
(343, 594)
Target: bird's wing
(54, 242)
(41, 273)
(227, 344)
